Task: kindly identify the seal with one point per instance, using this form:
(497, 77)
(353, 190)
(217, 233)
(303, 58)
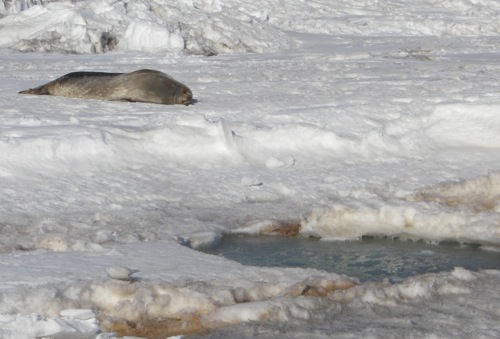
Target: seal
(144, 85)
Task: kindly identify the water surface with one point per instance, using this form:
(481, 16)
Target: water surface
(369, 259)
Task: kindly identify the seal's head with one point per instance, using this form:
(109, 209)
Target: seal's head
(184, 96)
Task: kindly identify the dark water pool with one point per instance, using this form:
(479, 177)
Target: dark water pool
(369, 259)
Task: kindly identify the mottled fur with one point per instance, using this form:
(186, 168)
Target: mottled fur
(144, 85)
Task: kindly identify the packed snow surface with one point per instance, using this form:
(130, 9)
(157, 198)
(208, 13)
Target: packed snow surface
(329, 120)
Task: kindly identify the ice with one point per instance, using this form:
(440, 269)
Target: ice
(170, 287)
(147, 36)
(34, 326)
(200, 240)
(85, 27)
(309, 119)
(480, 193)
(120, 273)
(452, 126)
(343, 222)
(78, 314)
(383, 309)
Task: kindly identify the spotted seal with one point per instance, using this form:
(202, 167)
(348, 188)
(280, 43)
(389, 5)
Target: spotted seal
(144, 85)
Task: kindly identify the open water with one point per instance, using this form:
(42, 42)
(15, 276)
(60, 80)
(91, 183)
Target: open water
(369, 259)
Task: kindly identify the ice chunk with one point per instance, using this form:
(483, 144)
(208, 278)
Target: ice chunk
(80, 314)
(120, 272)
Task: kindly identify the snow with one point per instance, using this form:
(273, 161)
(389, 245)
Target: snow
(144, 35)
(362, 118)
(201, 27)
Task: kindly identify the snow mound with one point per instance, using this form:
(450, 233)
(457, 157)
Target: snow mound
(199, 27)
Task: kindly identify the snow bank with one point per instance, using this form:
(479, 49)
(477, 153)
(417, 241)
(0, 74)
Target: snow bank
(473, 216)
(201, 27)
(173, 296)
(481, 193)
(465, 126)
(437, 294)
(194, 140)
(449, 126)
(145, 35)
(203, 142)
(162, 309)
(447, 304)
(388, 17)
(213, 27)
(68, 325)
(169, 296)
(57, 28)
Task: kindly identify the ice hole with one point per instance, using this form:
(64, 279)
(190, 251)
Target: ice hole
(369, 259)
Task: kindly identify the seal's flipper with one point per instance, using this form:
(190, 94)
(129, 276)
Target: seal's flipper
(42, 90)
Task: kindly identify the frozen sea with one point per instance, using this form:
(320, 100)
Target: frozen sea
(311, 118)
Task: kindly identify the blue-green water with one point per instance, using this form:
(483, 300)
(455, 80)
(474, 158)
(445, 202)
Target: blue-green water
(368, 259)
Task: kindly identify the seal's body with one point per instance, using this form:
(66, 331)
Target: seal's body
(144, 85)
